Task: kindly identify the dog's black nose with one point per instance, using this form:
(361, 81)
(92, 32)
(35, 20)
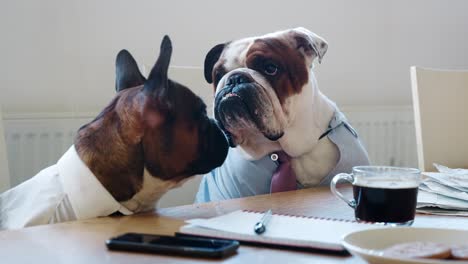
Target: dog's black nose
(238, 78)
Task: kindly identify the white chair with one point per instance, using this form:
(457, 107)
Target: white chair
(4, 171)
(440, 100)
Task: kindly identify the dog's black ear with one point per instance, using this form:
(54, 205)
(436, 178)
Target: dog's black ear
(158, 82)
(127, 73)
(210, 60)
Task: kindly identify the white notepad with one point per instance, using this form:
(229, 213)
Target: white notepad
(282, 230)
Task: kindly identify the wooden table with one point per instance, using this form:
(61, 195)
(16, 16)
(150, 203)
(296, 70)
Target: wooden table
(83, 241)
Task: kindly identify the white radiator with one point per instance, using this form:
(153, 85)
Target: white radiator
(35, 142)
(387, 133)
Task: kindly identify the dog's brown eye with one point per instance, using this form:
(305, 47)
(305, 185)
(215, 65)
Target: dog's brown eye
(271, 69)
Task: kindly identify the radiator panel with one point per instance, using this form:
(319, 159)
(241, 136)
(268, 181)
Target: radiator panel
(36, 143)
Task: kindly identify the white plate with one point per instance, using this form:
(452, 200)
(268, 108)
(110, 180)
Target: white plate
(369, 244)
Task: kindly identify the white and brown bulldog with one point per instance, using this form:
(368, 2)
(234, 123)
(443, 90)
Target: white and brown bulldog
(267, 101)
(152, 136)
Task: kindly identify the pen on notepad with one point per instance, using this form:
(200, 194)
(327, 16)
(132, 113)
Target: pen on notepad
(260, 227)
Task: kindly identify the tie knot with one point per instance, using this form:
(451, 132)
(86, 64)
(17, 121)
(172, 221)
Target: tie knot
(284, 178)
(281, 157)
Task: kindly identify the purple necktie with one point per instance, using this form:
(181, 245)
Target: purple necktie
(284, 178)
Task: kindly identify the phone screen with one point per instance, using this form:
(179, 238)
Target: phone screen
(180, 245)
(174, 241)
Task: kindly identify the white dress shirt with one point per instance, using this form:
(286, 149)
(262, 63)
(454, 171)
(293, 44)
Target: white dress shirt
(63, 192)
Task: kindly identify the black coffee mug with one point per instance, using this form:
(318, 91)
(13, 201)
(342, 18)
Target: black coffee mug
(382, 194)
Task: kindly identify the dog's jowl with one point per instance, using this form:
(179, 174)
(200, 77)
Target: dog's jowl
(151, 137)
(267, 101)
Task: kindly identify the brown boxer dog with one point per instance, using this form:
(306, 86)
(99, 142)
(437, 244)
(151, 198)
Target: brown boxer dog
(152, 136)
(267, 100)
(155, 124)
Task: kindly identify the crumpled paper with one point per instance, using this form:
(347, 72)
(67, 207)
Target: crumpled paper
(444, 192)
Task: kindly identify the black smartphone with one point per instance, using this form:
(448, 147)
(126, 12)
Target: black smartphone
(178, 245)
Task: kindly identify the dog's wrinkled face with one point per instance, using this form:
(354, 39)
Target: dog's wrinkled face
(256, 80)
(157, 124)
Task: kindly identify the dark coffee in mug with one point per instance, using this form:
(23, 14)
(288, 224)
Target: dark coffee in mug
(380, 204)
(382, 194)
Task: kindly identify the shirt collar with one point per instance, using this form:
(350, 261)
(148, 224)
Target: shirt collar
(87, 195)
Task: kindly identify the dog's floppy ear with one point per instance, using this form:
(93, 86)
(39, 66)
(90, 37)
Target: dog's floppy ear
(309, 43)
(211, 59)
(127, 73)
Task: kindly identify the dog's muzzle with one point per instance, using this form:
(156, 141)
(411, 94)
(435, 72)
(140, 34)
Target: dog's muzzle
(240, 104)
(230, 105)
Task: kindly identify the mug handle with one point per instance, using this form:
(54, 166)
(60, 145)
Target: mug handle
(335, 180)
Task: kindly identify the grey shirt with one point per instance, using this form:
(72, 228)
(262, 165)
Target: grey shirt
(238, 177)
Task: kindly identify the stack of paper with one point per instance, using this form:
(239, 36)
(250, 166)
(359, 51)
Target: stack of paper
(444, 192)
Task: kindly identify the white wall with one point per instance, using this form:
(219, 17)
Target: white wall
(59, 55)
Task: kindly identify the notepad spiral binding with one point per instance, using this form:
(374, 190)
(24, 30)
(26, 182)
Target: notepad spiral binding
(313, 217)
